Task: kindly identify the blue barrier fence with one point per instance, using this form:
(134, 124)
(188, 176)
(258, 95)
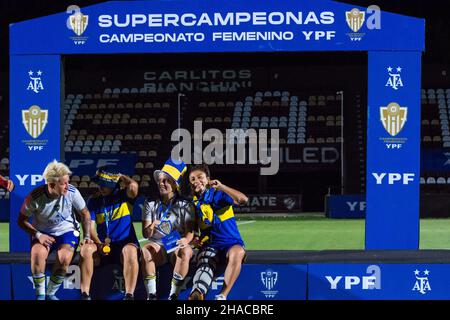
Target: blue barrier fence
(324, 281)
(345, 206)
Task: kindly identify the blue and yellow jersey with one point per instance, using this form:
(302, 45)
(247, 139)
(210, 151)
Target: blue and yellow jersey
(118, 208)
(215, 216)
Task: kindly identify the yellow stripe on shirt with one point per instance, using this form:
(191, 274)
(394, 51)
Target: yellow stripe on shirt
(124, 210)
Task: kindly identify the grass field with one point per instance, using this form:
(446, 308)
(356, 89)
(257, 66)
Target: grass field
(308, 233)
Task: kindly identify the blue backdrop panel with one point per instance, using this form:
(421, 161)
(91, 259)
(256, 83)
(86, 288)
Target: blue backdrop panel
(266, 282)
(378, 282)
(251, 26)
(256, 282)
(346, 207)
(393, 151)
(35, 116)
(216, 26)
(87, 164)
(23, 287)
(5, 282)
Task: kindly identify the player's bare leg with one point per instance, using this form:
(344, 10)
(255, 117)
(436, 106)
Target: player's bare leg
(181, 269)
(130, 268)
(39, 254)
(64, 256)
(235, 256)
(151, 257)
(87, 267)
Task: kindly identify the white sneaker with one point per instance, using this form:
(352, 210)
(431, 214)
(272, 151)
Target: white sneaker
(221, 297)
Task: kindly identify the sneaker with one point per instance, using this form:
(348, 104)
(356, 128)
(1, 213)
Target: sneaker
(221, 297)
(51, 297)
(128, 296)
(173, 297)
(40, 297)
(151, 296)
(196, 295)
(85, 296)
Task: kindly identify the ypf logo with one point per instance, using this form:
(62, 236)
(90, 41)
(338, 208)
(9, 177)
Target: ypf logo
(393, 178)
(269, 279)
(77, 22)
(369, 282)
(34, 120)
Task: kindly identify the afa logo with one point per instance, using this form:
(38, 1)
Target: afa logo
(422, 284)
(119, 281)
(395, 78)
(35, 83)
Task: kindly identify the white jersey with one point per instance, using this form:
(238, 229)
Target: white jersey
(180, 214)
(53, 216)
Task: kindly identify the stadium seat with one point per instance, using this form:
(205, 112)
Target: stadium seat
(431, 180)
(83, 185)
(441, 180)
(144, 184)
(139, 165)
(106, 149)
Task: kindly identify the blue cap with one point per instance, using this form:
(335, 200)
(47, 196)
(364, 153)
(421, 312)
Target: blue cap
(106, 177)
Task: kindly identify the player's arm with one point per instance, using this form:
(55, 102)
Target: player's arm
(238, 197)
(24, 223)
(6, 184)
(86, 225)
(131, 186)
(148, 228)
(94, 234)
(148, 224)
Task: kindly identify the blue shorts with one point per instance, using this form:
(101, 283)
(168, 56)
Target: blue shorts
(72, 238)
(224, 247)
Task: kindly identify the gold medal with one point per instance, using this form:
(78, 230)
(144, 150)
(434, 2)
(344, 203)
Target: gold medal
(106, 249)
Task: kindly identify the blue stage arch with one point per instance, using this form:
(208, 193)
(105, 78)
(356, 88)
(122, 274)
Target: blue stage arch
(394, 42)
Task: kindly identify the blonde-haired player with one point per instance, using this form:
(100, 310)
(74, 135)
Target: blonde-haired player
(54, 226)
